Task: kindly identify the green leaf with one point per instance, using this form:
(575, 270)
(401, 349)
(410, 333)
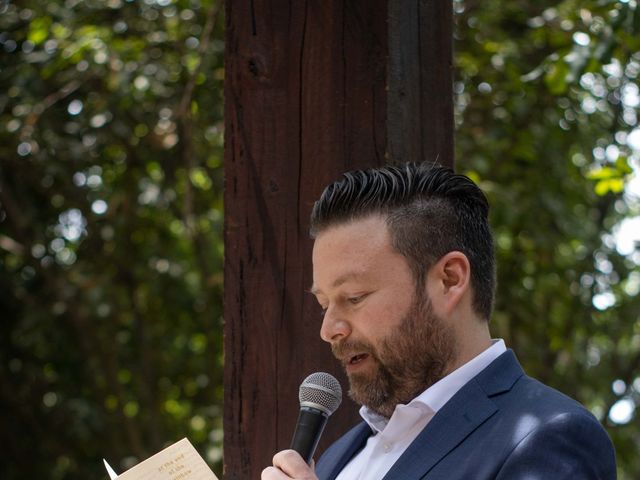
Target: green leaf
(39, 30)
(556, 78)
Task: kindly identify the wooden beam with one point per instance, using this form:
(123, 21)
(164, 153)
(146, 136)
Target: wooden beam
(420, 79)
(311, 90)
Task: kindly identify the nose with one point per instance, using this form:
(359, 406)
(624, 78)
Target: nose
(334, 326)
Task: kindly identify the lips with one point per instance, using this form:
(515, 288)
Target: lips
(355, 359)
(352, 353)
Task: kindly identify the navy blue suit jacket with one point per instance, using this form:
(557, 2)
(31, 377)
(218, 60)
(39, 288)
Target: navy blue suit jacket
(501, 425)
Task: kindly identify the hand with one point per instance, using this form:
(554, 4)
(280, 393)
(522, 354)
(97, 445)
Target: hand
(288, 464)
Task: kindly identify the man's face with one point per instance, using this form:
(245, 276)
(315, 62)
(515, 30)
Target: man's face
(380, 326)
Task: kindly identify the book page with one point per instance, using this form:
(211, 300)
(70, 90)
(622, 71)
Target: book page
(179, 461)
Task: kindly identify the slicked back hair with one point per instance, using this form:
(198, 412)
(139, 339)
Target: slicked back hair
(429, 210)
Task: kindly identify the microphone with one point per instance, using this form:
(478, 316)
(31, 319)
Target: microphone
(320, 395)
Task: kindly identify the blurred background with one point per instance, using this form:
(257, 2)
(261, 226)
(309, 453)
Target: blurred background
(111, 146)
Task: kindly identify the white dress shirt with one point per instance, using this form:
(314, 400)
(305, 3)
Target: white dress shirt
(392, 436)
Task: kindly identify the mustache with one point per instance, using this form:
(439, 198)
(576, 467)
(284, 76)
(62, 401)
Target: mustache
(351, 347)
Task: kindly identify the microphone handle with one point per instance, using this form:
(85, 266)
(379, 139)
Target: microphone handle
(311, 423)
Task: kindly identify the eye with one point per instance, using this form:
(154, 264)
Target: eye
(355, 300)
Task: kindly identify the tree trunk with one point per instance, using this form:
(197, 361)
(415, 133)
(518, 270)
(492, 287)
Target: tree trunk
(312, 89)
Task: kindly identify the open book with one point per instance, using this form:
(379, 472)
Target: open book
(179, 461)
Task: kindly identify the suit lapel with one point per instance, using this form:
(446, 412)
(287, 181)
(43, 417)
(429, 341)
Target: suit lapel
(465, 412)
(341, 452)
(452, 424)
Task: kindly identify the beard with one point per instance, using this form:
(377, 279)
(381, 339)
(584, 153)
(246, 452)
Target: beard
(408, 361)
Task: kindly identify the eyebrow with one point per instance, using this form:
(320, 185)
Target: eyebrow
(339, 281)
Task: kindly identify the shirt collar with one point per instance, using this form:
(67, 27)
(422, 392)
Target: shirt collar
(438, 394)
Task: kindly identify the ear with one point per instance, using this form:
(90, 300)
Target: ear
(448, 282)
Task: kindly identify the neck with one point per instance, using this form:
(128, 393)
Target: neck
(472, 343)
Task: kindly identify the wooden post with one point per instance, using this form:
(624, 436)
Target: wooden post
(312, 88)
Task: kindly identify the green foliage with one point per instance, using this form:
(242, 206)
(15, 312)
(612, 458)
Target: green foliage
(546, 106)
(110, 233)
(111, 216)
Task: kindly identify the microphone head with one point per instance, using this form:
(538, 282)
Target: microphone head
(321, 391)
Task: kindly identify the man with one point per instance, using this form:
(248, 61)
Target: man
(404, 269)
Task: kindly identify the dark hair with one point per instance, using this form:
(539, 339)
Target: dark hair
(429, 211)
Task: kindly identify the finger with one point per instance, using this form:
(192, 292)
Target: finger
(272, 473)
(291, 463)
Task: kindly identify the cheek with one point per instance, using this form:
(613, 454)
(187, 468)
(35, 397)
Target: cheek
(380, 319)
(392, 307)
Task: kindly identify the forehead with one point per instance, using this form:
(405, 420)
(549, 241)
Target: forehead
(360, 250)
(370, 233)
